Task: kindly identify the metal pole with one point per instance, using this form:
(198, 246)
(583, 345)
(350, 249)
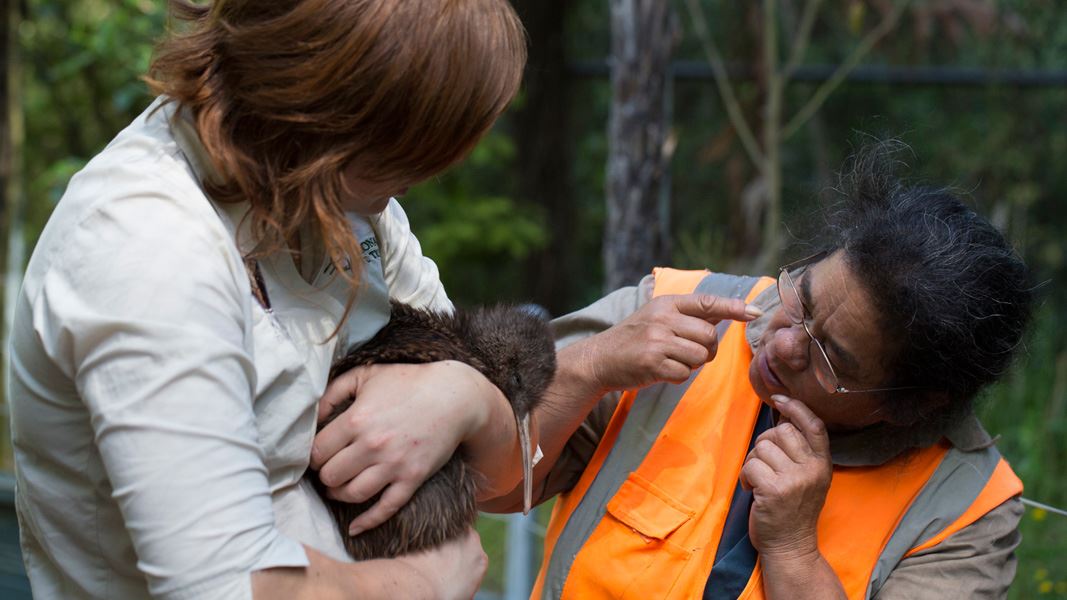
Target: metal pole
(517, 579)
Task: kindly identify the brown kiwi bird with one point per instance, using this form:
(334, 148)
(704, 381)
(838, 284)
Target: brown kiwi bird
(513, 348)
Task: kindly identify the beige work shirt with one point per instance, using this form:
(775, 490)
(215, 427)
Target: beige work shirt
(977, 562)
(162, 418)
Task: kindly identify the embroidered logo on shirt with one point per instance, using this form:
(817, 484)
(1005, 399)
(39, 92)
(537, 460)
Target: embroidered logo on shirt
(370, 250)
(371, 254)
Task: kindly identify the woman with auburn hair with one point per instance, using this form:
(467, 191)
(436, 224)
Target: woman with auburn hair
(183, 305)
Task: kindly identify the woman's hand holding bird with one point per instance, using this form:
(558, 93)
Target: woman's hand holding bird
(407, 421)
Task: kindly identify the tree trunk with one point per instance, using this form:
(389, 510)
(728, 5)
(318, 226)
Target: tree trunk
(642, 37)
(542, 127)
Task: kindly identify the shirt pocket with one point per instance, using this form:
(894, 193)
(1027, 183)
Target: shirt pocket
(630, 553)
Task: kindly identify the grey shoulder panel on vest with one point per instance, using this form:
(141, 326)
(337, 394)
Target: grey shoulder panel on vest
(951, 490)
(646, 419)
(727, 286)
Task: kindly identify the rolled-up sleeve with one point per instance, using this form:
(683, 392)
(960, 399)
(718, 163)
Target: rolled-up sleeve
(411, 277)
(147, 312)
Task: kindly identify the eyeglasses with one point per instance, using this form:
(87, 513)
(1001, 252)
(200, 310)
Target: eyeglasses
(794, 308)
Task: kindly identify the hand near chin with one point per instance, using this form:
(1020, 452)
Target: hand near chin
(788, 471)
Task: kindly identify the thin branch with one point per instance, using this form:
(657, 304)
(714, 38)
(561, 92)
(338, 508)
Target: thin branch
(722, 81)
(861, 50)
(803, 37)
(775, 80)
(770, 37)
(1046, 507)
(772, 128)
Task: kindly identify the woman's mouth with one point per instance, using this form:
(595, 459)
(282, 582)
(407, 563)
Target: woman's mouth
(769, 378)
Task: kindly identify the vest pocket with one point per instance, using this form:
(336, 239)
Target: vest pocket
(629, 554)
(647, 509)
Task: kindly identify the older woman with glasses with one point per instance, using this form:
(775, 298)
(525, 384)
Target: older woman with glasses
(812, 436)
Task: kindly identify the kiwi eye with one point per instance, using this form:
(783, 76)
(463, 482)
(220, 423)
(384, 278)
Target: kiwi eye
(516, 380)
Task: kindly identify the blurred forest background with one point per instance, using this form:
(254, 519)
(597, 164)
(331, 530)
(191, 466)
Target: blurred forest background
(693, 165)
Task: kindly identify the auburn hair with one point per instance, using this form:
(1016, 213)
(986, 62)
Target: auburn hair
(288, 95)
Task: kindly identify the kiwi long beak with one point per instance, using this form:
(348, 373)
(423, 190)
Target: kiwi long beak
(527, 462)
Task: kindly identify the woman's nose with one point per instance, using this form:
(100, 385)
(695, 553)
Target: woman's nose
(790, 346)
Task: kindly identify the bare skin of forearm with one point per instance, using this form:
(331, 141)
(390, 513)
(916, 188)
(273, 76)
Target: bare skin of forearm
(327, 579)
(570, 397)
(803, 577)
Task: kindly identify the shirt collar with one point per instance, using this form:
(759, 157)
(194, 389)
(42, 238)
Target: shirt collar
(881, 443)
(183, 129)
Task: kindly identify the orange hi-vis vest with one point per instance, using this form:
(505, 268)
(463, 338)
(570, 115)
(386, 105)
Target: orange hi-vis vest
(645, 518)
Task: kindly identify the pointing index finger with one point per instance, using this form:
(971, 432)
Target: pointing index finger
(713, 308)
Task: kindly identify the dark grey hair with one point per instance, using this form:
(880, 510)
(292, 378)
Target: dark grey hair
(953, 296)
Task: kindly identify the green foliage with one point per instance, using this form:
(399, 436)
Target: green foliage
(490, 226)
(477, 235)
(84, 60)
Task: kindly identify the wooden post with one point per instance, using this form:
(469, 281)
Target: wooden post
(643, 34)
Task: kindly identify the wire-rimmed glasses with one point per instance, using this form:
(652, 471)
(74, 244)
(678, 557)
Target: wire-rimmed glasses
(797, 312)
